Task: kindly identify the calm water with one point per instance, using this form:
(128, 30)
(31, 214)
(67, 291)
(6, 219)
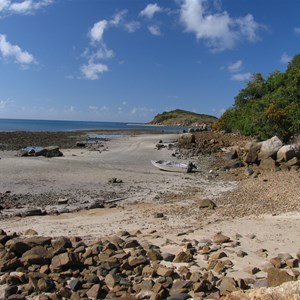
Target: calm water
(50, 125)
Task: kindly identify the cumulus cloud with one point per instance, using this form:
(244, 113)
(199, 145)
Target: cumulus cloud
(92, 70)
(241, 77)
(155, 30)
(97, 31)
(8, 50)
(285, 58)
(150, 10)
(22, 7)
(98, 50)
(218, 30)
(235, 67)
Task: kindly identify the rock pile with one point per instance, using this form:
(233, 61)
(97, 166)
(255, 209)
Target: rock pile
(51, 151)
(124, 267)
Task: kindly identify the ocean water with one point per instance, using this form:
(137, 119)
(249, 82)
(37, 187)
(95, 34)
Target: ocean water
(9, 125)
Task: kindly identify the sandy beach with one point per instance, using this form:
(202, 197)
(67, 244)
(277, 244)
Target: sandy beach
(161, 206)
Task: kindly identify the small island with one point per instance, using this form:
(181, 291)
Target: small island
(179, 117)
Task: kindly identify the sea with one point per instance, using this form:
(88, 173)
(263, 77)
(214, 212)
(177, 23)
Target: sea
(10, 125)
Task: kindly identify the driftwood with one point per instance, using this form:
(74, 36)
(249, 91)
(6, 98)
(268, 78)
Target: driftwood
(114, 200)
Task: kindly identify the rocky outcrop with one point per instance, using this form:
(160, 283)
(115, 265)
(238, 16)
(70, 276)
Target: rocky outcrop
(124, 267)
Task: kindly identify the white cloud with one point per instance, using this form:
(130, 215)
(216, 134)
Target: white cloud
(118, 18)
(124, 103)
(133, 111)
(150, 10)
(235, 67)
(241, 77)
(7, 50)
(285, 58)
(132, 26)
(5, 105)
(219, 30)
(92, 70)
(297, 30)
(23, 7)
(155, 30)
(97, 31)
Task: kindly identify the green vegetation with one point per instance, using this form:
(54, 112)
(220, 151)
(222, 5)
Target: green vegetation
(267, 107)
(182, 118)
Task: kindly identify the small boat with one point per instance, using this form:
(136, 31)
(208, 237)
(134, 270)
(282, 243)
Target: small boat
(174, 166)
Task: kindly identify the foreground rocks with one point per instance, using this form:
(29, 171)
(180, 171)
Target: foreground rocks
(125, 266)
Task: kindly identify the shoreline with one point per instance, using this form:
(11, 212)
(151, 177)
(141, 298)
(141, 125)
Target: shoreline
(164, 206)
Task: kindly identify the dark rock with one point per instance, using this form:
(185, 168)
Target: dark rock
(182, 296)
(37, 255)
(51, 151)
(11, 290)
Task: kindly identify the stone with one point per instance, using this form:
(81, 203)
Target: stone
(94, 292)
(37, 255)
(180, 287)
(183, 257)
(111, 280)
(30, 232)
(51, 151)
(164, 271)
(269, 147)
(182, 296)
(206, 203)
(219, 238)
(250, 155)
(277, 277)
(61, 243)
(186, 138)
(286, 153)
(268, 164)
(233, 165)
(227, 286)
(45, 284)
(65, 260)
(168, 256)
(154, 255)
(33, 212)
(293, 162)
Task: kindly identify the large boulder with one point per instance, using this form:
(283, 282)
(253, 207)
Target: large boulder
(251, 152)
(286, 153)
(52, 151)
(269, 147)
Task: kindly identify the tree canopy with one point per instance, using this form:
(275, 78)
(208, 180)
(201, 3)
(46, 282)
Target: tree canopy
(267, 106)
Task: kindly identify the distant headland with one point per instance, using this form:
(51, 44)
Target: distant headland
(179, 117)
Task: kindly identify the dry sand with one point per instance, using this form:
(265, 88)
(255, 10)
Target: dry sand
(148, 191)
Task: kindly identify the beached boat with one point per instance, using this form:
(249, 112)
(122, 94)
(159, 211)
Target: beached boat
(174, 166)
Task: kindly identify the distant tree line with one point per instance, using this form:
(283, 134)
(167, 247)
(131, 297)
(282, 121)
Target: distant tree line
(267, 106)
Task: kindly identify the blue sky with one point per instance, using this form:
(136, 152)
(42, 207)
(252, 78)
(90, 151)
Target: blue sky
(127, 60)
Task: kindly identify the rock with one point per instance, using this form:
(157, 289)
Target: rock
(154, 255)
(269, 147)
(277, 277)
(182, 296)
(51, 151)
(186, 139)
(227, 286)
(293, 162)
(234, 165)
(65, 260)
(180, 287)
(37, 255)
(207, 203)
(268, 164)
(11, 290)
(219, 238)
(250, 155)
(33, 212)
(61, 243)
(183, 257)
(168, 256)
(231, 155)
(286, 153)
(94, 292)
(115, 180)
(31, 232)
